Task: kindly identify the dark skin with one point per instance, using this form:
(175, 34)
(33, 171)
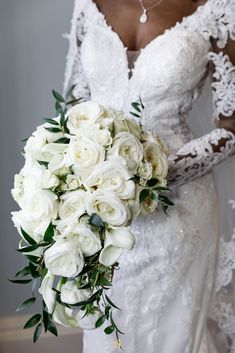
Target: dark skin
(123, 17)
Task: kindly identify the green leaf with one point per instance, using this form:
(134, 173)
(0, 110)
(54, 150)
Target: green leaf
(37, 332)
(165, 200)
(52, 328)
(46, 320)
(102, 281)
(34, 285)
(111, 303)
(143, 194)
(23, 272)
(62, 118)
(53, 129)
(138, 116)
(27, 237)
(51, 121)
(20, 281)
(108, 330)
(96, 221)
(49, 233)
(33, 321)
(154, 196)
(62, 140)
(141, 102)
(70, 91)
(27, 303)
(44, 163)
(25, 140)
(33, 270)
(136, 105)
(33, 259)
(100, 321)
(58, 96)
(58, 107)
(28, 248)
(152, 182)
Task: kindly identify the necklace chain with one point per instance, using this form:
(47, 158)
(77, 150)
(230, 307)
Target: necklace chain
(149, 8)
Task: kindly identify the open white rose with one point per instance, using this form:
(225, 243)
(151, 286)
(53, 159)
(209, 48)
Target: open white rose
(65, 316)
(88, 241)
(47, 292)
(115, 241)
(154, 155)
(96, 133)
(72, 182)
(42, 204)
(71, 294)
(49, 180)
(121, 124)
(82, 114)
(35, 229)
(109, 207)
(72, 204)
(129, 148)
(84, 154)
(88, 322)
(64, 258)
(112, 175)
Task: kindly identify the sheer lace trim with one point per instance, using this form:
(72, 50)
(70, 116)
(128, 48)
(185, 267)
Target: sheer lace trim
(74, 72)
(223, 93)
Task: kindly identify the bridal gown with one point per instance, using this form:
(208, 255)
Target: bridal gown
(165, 285)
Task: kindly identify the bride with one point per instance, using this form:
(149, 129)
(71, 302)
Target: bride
(172, 298)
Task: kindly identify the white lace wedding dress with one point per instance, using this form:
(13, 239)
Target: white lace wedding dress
(167, 284)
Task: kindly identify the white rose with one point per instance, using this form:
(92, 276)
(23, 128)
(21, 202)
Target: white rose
(72, 182)
(149, 137)
(154, 155)
(84, 154)
(49, 150)
(49, 180)
(57, 164)
(72, 204)
(82, 114)
(88, 241)
(109, 207)
(115, 241)
(47, 292)
(114, 176)
(122, 124)
(65, 316)
(97, 134)
(64, 258)
(129, 148)
(109, 116)
(88, 322)
(32, 179)
(36, 229)
(42, 204)
(18, 190)
(71, 294)
(145, 170)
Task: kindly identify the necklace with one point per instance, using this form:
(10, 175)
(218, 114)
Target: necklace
(144, 16)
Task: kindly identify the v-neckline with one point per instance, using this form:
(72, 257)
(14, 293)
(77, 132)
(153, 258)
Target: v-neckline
(151, 42)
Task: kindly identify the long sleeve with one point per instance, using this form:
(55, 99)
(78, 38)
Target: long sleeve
(200, 155)
(74, 74)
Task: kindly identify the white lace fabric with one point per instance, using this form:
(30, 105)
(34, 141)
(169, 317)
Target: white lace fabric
(169, 84)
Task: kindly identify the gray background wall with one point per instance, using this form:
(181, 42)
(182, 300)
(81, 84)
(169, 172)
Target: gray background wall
(32, 60)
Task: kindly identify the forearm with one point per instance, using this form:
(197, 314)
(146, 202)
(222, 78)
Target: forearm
(200, 155)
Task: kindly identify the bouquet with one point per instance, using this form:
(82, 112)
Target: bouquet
(88, 173)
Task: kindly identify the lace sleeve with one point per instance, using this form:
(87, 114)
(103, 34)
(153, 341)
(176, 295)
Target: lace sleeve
(200, 155)
(74, 74)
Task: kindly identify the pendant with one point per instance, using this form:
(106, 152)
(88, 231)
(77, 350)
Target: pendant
(144, 17)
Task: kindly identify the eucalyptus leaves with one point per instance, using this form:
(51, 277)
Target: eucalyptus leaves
(88, 173)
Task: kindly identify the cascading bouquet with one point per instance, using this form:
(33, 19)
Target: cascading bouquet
(88, 173)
